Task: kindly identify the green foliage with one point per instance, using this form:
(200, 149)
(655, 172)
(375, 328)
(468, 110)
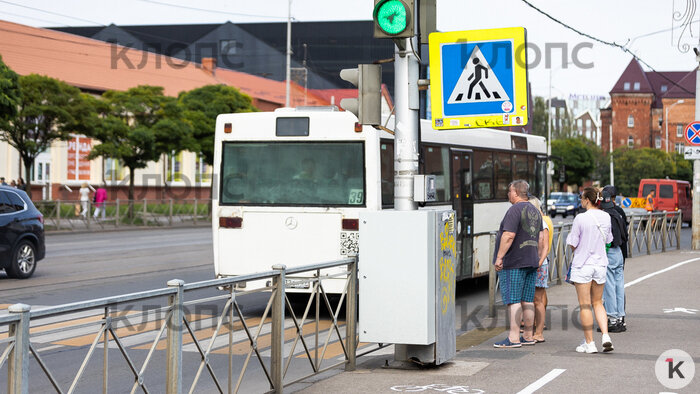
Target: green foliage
(202, 105)
(137, 126)
(632, 165)
(539, 117)
(48, 110)
(9, 91)
(578, 156)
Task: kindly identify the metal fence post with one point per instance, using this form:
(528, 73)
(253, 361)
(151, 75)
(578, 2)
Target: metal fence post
(679, 224)
(170, 213)
(194, 217)
(277, 334)
(58, 214)
(173, 378)
(145, 212)
(648, 232)
(116, 215)
(351, 316)
(492, 276)
(631, 237)
(664, 234)
(18, 361)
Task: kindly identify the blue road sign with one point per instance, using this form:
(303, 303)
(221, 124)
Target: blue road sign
(489, 86)
(626, 202)
(692, 133)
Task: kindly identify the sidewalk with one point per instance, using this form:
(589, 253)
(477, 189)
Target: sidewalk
(655, 324)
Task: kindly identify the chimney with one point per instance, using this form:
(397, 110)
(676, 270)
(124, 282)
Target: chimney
(209, 65)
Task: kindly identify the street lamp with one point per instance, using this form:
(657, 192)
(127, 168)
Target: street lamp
(666, 119)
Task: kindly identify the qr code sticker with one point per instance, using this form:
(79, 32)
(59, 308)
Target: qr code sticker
(349, 243)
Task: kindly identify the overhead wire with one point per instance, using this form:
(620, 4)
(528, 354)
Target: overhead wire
(613, 44)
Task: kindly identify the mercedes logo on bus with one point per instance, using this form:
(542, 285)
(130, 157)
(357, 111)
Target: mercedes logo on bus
(291, 223)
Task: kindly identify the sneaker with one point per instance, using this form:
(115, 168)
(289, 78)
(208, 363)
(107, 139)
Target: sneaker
(618, 327)
(587, 347)
(525, 342)
(607, 343)
(506, 343)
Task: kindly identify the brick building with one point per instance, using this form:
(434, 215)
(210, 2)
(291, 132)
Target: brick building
(639, 102)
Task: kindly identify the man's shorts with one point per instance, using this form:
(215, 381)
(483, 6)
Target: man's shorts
(517, 285)
(543, 276)
(588, 273)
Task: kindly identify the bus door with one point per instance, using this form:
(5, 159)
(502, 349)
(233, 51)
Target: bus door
(463, 204)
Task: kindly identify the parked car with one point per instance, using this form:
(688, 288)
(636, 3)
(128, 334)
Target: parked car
(565, 204)
(21, 233)
(671, 195)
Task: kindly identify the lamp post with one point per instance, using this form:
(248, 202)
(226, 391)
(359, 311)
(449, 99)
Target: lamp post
(666, 119)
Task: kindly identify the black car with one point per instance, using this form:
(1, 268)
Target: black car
(21, 233)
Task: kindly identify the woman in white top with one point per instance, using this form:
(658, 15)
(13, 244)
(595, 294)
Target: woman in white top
(589, 234)
(84, 199)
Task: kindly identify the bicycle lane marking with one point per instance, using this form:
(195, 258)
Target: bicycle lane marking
(645, 277)
(539, 383)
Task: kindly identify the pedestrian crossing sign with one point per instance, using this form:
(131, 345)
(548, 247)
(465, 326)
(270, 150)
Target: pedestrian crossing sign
(478, 78)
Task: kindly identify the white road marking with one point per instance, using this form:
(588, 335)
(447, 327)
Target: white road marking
(539, 383)
(645, 277)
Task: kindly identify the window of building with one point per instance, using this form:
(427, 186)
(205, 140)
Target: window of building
(627, 86)
(664, 88)
(630, 141)
(630, 121)
(680, 148)
(636, 86)
(679, 130)
(174, 168)
(579, 124)
(657, 142)
(588, 124)
(114, 170)
(202, 171)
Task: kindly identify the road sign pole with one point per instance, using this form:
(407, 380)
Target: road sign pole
(695, 244)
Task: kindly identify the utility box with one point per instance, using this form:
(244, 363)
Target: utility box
(424, 189)
(407, 276)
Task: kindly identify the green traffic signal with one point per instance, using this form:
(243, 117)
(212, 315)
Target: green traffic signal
(391, 16)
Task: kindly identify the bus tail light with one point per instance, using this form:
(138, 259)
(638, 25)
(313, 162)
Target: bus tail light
(227, 128)
(358, 127)
(231, 222)
(351, 224)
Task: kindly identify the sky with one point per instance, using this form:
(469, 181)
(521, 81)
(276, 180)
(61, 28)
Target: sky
(646, 27)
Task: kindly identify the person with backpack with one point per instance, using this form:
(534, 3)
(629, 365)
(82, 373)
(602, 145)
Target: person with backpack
(614, 291)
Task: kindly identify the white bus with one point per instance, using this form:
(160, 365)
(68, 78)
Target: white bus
(291, 184)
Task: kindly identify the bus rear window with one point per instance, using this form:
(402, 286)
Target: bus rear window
(293, 173)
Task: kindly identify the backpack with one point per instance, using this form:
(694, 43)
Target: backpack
(619, 230)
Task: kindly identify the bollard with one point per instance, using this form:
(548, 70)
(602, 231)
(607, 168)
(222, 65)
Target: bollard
(194, 217)
(664, 234)
(173, 378)
(679, 224)
(277, 334)
(170, 213)
(58, 214)
(18, 359)
(116, 215)
(145, 212)
(492, 276)
(631, 237)
(351, 317)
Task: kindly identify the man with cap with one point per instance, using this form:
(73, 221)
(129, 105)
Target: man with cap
(614, 291)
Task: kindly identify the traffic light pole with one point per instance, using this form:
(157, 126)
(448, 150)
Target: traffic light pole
(406, 142)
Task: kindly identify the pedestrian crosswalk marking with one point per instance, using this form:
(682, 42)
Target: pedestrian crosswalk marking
(477, 83)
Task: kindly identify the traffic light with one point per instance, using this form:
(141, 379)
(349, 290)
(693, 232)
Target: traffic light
(367, 106)
(393, 18)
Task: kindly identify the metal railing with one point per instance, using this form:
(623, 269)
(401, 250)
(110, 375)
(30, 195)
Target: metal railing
(66, 214)
(647, 233)
(170, 328)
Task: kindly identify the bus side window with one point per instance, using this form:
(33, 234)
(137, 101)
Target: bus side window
(437, 162)
(483, 175)
(386, 158)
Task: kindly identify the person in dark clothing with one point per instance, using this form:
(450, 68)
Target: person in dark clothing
(614, 292)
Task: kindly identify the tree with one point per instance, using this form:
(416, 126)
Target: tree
(49, 110)
(136, 127)
(540, 117)
(633, 165)
(578, 157)
(202, 105)
(9, 91)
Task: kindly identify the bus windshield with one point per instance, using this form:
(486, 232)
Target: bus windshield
(293, 173)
